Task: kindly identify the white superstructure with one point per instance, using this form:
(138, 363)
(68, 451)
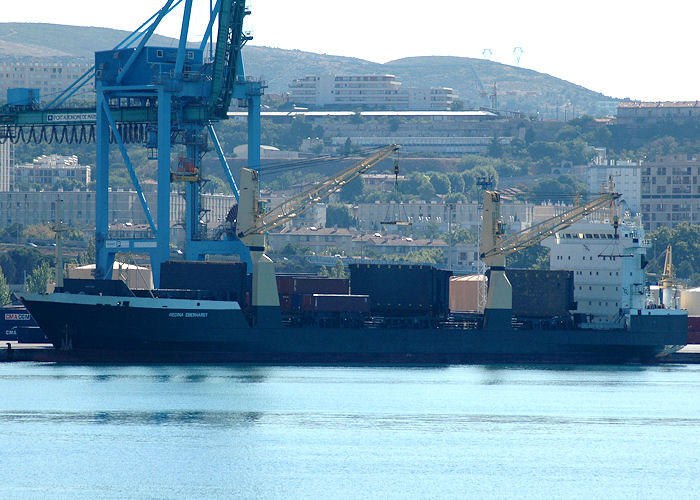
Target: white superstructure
(608, 262)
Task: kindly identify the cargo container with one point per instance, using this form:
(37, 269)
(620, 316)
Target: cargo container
(224, 280)
(335, 303)
(542, 294)
(464, 292)
(402, 290)
(312, 284)
(285, 303)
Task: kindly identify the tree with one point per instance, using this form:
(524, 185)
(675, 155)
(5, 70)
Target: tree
(39, 278)
(534, 257)
(39, 232)
(215, 185)
(338, 215)
(663, 146)
(465, 236)
(495, 150)
(529, 136)
(347, 147)
(456, 182)
(441, 182)
(4, 290)
(562, 188)
(338, 270)
(426, 191)
(14, 232)
(455, 198)
(16, 262)
(89, 255)
(291, 249)
(352, 190)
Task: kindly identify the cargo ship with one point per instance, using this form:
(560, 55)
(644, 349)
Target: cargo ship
(395, 314)
(389, 314)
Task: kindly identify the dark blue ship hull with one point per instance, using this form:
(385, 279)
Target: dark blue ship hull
(86, 327)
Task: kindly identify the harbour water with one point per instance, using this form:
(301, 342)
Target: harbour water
(353, 432)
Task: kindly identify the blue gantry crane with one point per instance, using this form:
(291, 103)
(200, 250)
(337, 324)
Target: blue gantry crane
(160, 97)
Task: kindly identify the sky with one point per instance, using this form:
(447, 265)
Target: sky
(638, 49)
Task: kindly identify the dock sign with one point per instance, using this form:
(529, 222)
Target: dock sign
(71, 117)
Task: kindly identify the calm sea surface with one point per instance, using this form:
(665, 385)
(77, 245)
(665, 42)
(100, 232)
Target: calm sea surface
(99, 432)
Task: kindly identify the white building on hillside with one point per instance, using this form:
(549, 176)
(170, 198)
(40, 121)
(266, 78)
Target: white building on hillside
(625, 175)
(49, 75)
(47, 169)
(380, 91)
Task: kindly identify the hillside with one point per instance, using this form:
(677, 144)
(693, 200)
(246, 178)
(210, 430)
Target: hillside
(518, 89)
(57, 40)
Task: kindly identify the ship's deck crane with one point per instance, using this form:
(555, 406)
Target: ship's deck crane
(669, 292)
(297, 205)
(495, 246)
(252, 224)
(158, 97)
(668, 278)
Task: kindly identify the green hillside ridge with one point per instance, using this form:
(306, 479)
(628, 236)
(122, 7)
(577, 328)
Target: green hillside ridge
(519, 89)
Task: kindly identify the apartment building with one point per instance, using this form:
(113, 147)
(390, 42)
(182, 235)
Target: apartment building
(435, 215)
(624, 174)
(670, 193)
(375, 91)
(35, 207)
(366, 247)
(50, 75)
(650, 113)
(48, 169)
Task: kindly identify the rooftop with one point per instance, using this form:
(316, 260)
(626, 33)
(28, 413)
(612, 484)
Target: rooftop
(659, 104)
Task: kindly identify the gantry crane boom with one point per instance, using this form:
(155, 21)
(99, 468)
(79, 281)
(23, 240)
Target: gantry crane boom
(299, 204)
(227, 60)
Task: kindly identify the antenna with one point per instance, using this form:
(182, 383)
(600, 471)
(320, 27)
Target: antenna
(518, 53)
